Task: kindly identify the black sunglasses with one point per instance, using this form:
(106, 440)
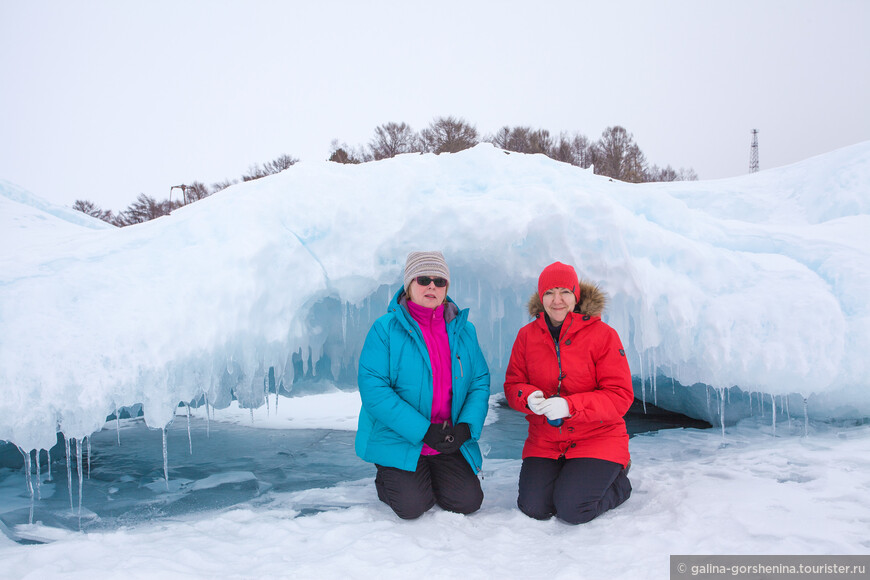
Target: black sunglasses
(425, 280)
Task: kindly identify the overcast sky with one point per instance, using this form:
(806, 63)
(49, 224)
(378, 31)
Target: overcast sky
(107, 100)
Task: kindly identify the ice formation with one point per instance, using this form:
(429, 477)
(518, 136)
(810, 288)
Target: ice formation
(758, 282)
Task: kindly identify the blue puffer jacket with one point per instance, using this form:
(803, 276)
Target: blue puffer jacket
(395, 385)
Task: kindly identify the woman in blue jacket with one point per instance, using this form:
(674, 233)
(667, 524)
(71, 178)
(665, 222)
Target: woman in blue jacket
(424, 386)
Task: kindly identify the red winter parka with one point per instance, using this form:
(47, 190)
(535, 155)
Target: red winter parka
(596, 382)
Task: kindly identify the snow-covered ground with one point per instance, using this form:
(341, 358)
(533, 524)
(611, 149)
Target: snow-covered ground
(695, 492)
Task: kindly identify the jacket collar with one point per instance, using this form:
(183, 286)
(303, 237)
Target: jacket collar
(592, 301)
(590, 307)
(400, 300)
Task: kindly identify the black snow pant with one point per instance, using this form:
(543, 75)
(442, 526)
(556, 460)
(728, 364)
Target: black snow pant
(574, 490)
(445, 479)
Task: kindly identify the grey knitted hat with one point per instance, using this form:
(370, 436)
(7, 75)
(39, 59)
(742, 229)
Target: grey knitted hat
(425, 264)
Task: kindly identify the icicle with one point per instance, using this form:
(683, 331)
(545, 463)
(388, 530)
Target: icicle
(27, 469)
(501, 336)
(642, 382)
(278, 385)
(207, 420)
(654, 378)
(479, 294)
(787, 412)
(89, 456)
(761, 402)
(48, 461)
(79, 470)
(707, 391)
(266, 390)
(773, 406)
(38, 477)
(750, 403)
(806, 419)
(189, 439)
(68, 471)
(722, 411)
(344, 322)
(165, 460)
(252, 414)
(27, 478)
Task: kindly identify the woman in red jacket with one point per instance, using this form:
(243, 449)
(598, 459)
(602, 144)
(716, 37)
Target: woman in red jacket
(569, 374)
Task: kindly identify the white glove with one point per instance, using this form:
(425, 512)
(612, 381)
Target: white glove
(535, 400)
(554, 408)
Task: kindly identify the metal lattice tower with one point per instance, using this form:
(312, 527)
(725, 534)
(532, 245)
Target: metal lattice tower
(753, 152)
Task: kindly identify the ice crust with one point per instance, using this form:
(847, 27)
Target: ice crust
(758, 282)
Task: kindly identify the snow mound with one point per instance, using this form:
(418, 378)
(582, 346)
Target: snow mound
(759, 282)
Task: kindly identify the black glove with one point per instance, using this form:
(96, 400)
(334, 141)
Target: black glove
(461, 434)
(454, 440)
(436, 435)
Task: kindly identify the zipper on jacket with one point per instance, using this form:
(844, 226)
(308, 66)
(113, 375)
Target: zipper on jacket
(458, 358)
(561, 376)
(558, 422)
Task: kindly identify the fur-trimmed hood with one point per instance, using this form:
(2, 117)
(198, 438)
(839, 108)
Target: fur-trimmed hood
(592, 301)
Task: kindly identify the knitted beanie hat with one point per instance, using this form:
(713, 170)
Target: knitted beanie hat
(425, 264)
(558, 275)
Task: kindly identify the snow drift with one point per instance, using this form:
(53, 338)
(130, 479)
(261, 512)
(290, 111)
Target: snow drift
(758, 282)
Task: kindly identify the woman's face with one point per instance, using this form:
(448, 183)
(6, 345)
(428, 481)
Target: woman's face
(558, 302)
(429, 296)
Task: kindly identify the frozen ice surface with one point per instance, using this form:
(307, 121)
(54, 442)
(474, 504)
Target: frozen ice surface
(233, 461)
(236, 459)
(693, 492)
(758, 282)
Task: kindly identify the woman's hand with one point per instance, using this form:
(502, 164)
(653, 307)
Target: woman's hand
(437, 435)
(445, 438)
(534, 402)
(554, 408)
(461, 434)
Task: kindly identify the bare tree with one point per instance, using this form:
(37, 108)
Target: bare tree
(540, 141)
(280, 163)
(220, 185)
(144, 209)
(255, 171)
(93, 210)
(618, 156)
(562, 150)
(448, 135)
(394, 139)
(88, 207)
(656, 173)
(582, 150)
(523, 140)
(341, 153)
(687, 174)
(575, 150)
(501, 138)
(512, 139)
(519, 140)
(197, 191)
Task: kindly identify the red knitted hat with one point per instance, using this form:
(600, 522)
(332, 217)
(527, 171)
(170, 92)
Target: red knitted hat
(559, 275)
